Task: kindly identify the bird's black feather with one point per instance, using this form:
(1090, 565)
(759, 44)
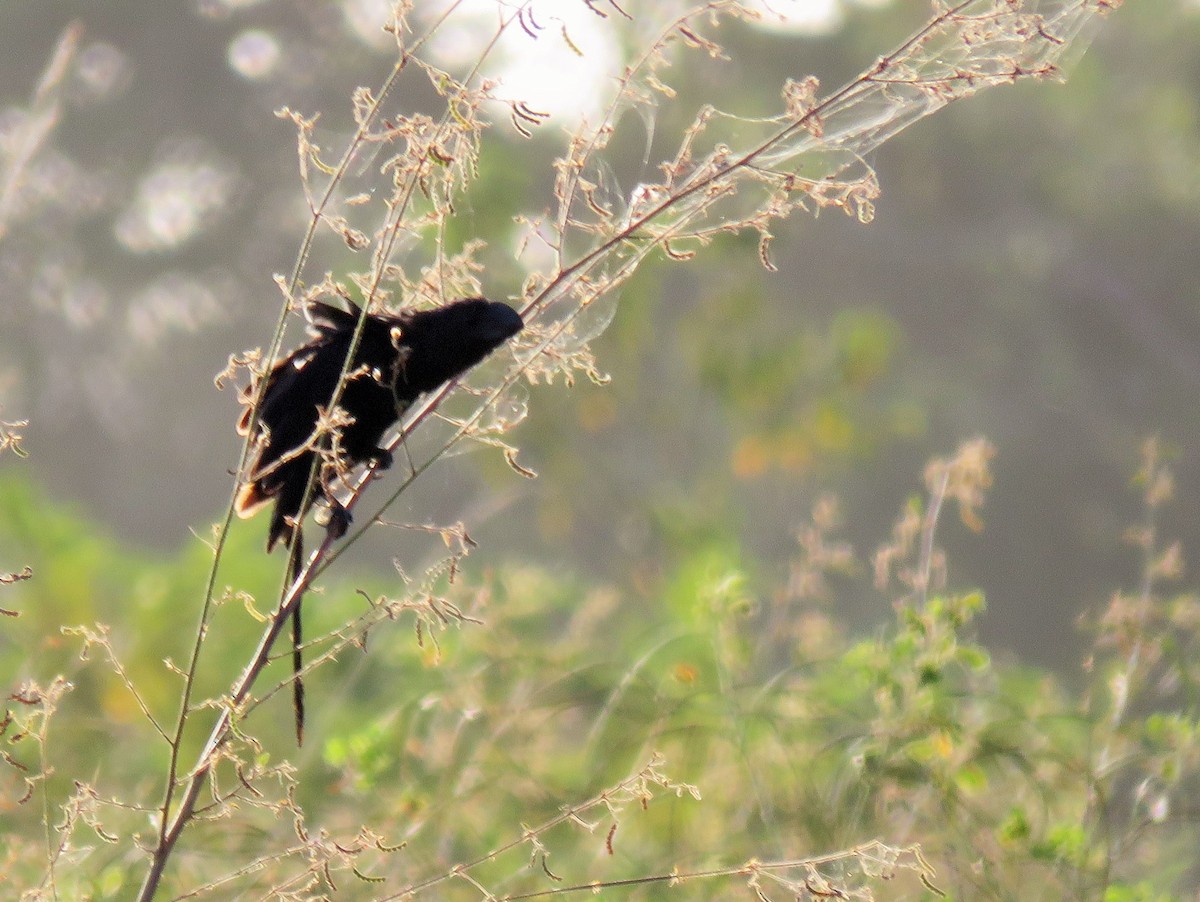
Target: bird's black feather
(397, 359)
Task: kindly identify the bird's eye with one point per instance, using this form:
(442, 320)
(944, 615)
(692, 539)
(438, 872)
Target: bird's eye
(396, 334)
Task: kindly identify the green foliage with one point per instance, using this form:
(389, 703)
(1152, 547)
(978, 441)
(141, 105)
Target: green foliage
(797, 737)
(523, 727)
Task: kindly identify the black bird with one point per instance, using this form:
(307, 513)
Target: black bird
(398, 358)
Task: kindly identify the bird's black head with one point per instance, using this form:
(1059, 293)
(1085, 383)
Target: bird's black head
(440, 344)
(480, 323)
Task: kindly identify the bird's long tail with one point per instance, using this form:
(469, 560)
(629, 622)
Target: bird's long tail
(294, 567)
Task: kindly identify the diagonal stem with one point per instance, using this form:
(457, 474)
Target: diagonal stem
(221, 730)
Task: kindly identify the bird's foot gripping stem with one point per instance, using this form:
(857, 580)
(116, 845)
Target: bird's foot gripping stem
(335, 518)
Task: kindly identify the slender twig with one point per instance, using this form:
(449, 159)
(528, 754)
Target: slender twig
(45, 108)
(221, 731)
(639, 234)
(937, 496)
(170, 827)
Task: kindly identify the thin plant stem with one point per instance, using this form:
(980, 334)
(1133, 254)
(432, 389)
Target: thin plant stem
(697, 195)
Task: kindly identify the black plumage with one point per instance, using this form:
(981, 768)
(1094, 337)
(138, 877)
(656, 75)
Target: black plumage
(397, 359)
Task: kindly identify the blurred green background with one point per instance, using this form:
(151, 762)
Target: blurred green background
(1030, 276)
